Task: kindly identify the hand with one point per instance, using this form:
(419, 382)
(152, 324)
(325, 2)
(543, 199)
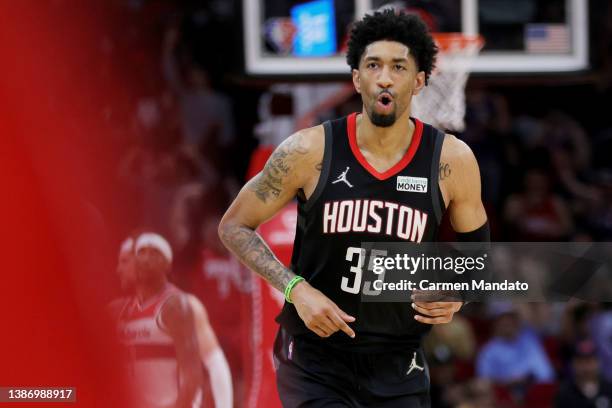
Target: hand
(318, 312)
(433, 312)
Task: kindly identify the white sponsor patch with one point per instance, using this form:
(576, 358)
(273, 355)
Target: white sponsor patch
(412, 184)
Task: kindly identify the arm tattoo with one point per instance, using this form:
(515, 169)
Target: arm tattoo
(269, 183)
(445, 171)
(248, 246)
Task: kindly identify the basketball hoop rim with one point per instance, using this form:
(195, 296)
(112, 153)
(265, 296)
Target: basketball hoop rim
(457, 41)
(444, 105)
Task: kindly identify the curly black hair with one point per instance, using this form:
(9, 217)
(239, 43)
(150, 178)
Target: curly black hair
(407, 29)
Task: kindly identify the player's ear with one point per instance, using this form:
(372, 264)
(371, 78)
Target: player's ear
(355, 73)
(419, 82)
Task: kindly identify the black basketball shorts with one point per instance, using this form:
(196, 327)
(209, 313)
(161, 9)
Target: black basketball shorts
(310, 373)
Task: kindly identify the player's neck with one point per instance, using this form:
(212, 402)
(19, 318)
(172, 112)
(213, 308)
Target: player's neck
(150, 289)
(384, 141)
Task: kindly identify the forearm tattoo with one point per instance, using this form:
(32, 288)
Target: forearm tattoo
(269, 183)
(445, 171)
(248, 246)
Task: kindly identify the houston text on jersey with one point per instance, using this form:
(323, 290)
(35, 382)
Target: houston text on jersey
(375, 217)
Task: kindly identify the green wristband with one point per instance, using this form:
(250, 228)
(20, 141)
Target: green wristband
(290, 285)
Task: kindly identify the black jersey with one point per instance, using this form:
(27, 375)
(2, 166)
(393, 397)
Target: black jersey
(353, 204)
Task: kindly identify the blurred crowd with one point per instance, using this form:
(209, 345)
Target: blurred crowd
(545, 178)
(189, 130)
(522, 355)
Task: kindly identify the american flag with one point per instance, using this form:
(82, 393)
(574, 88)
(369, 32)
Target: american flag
(547, 38)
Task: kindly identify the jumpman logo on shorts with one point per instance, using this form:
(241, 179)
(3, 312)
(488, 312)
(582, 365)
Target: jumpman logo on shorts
(342, 177)
(414, 365)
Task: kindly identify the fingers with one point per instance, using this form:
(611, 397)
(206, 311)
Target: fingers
(433, 315)
(436, 305)
(327, 324)
(322, 326)
(450, 306)
(343, 315)
(323, 316)
(341, 324)
(316, 325)
(433, 312)
(341, 318)
(329, 320)
(433, 320)
(319, 331)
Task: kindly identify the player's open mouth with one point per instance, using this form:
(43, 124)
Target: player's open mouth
(385, 99)
(384, 103)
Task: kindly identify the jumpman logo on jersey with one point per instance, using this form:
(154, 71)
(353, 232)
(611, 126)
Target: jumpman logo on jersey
(342, 177)
(414, 365)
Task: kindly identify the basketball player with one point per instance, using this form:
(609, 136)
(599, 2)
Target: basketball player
(348, 176)
(167, 331)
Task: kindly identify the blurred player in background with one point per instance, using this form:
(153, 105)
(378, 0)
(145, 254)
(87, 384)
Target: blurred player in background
(166, 330)
(347, 174)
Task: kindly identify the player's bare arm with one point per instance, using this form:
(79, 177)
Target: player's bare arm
(212, 356)
(177, 317)
(460, 185)
(459, 179)
(268, 192)
(293, 169)
(207, 339)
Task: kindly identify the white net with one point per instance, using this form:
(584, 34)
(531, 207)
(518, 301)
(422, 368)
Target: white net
(442, 102)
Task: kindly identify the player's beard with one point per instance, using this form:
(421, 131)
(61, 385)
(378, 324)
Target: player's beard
(150, 271)
(382, 120)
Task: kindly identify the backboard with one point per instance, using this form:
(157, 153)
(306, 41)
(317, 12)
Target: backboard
(297, 37)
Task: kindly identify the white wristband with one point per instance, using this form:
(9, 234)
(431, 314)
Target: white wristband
(220, 378)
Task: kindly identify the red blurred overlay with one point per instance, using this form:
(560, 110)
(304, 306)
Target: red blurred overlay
(56, 178)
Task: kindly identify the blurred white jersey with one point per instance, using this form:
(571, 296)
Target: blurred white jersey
(153, 364)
